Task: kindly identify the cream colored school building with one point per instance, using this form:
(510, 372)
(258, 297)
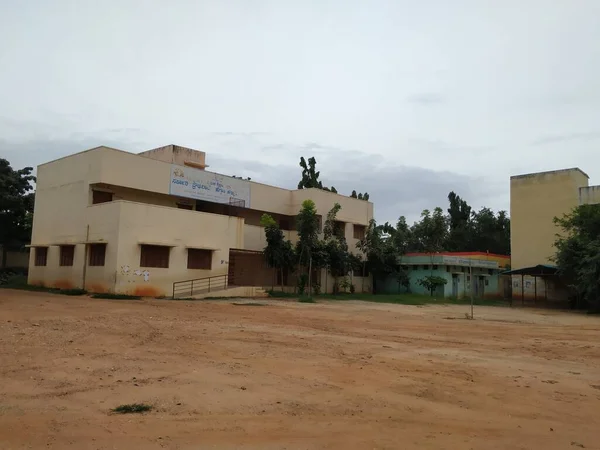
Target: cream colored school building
(535, 199)
(107, 220)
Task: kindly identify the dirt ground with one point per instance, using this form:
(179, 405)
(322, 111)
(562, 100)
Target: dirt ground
(293, 375)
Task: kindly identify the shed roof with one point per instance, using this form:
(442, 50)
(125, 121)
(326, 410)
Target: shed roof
(535, 271)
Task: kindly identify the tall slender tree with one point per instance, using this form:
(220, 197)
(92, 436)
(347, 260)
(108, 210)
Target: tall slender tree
(307, 225)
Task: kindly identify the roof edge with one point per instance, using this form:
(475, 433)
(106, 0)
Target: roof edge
(549, 172)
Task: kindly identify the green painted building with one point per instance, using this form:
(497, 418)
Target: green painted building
(475, 272)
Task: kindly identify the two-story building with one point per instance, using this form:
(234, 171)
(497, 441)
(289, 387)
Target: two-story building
(107, 220)
(535, 200)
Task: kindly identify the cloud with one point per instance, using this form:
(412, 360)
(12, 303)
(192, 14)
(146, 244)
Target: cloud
(425, 98)
(395, 189)
(568, 137)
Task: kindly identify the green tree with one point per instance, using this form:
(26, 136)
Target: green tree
(399, 239)
(338, 258)
(578, 254)
(16, 207)
(432, 282)
(279, 252)
(430, 233)
(379, 255)
(460, 225)
(307, 226)
(310, 175)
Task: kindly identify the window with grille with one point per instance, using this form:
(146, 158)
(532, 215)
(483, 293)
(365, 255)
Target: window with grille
(41, 256)
(101, 197)
(339, 229)
(359, 231)
(67, 254)
(199, 259)
(97, 254)
(154, 256)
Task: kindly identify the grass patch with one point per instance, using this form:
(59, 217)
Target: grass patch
(21, 284)
(249, 304)
(132, 408)
(412, 299)
(281, 294)
(72, 291)
(110, 296)
(306, 300)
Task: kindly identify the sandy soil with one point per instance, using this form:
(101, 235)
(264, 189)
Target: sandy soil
(295, 376)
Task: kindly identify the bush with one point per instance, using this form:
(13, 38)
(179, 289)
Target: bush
(306, 300)
(281, 294)
(352, 289)
(133, 408)
(302, 282)
(431, 283)
(345, 284)
(316, 288)
(9, 279)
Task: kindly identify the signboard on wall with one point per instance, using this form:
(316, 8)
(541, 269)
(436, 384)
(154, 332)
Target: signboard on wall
(457, 261)
(208, 186)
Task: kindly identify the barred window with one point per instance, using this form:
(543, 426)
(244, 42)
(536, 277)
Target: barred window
(199, 259)
(41, 256)
(359, 231)
(97, 254)
(154, 256)
(67, 254)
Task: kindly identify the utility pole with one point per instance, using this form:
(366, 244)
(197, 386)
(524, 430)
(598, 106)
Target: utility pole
(472, 283)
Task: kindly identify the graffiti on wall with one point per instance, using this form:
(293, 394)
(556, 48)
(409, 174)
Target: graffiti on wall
(128, 272)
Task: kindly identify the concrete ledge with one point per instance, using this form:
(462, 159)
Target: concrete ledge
(238, 291)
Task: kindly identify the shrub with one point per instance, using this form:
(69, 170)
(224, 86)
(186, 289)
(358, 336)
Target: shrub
(352, 289)
(345, 284)
(281, 294)
(133, 408)
(431, 283)
(316, 288)
(302, 282)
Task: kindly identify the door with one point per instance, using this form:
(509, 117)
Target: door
(480, 286)
(454, 285)
(249, 268)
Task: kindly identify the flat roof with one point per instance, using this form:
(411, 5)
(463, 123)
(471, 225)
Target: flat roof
(140, 155)
(464, 254)
(533, 174)
(536, 271)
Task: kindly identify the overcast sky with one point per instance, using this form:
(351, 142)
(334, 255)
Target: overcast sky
(404, 99)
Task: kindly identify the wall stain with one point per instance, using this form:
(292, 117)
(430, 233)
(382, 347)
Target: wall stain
(97, 288)
(64, 284)
(148, 291)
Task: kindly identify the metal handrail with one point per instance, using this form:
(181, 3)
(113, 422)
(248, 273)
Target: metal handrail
(199, 285)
